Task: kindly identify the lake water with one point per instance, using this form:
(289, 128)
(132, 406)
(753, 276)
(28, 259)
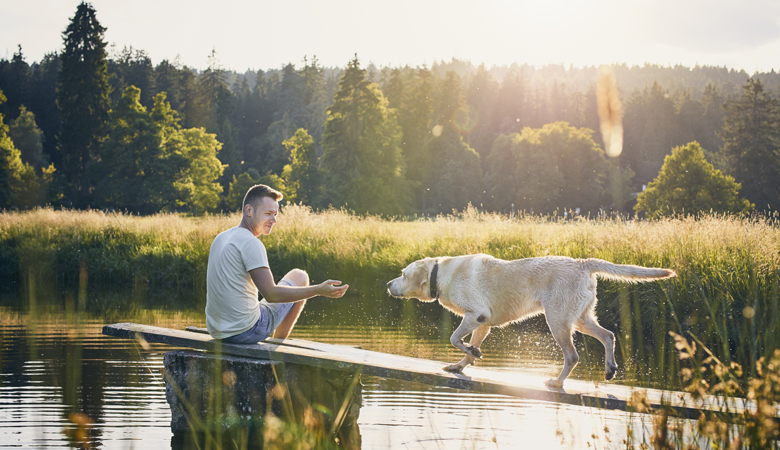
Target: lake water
(54, 360)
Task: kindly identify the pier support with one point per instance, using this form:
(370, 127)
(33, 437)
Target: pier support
(215, 393)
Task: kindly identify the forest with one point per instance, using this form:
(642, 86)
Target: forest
(94, 126)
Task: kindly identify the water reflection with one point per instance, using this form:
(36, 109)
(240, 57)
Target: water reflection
(54, 361)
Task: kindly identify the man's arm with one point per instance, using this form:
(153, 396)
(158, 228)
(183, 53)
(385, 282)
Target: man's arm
(273, 293)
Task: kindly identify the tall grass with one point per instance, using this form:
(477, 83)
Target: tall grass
(726, 293)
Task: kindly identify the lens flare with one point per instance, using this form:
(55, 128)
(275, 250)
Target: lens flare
(462, 121)
(610, 111)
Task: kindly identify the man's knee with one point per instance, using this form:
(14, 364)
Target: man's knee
(298, 276)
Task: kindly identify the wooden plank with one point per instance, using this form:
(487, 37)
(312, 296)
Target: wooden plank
(528, 386)
(301, 343)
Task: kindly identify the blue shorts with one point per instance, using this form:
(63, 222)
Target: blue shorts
(271, 315)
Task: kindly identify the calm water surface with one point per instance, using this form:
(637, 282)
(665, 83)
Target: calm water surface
(54, 360)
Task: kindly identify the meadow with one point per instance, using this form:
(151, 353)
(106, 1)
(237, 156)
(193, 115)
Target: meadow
(725, 297)
(725, 294)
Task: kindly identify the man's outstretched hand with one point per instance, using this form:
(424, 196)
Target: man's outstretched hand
(332, 289)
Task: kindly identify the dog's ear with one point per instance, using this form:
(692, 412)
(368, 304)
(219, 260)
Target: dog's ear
(419, 275)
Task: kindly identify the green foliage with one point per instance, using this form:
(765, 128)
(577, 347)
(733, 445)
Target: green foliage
(718, 279)
(751, 144)
(28, 138)
(241, 183)
(139, 163)
(83, 100)
(19, 187)
(453, 170)
(237, 190)
(411, 94)
(688, 184)
(150, 164)
(197, 186)
(302, 175)
(455, 174)
(557, 166)
(362, 158)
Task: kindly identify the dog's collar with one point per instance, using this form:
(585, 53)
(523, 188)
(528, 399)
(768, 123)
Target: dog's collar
(432, 283)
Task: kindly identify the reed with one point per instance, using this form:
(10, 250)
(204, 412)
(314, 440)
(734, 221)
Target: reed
(726, 293)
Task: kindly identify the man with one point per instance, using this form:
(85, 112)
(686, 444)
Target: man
(238, 269)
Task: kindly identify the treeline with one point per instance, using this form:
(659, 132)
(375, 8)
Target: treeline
(89, 129)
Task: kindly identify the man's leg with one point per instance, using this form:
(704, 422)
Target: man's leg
(299, 278)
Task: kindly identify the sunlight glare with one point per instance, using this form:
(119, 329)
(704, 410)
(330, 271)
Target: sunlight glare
(610, 111)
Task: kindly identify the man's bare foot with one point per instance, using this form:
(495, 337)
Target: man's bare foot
(554, 383)
(453, 368)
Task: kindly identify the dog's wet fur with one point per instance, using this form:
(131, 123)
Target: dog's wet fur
(489, 292)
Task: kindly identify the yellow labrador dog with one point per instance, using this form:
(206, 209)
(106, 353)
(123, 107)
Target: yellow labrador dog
(490, 292)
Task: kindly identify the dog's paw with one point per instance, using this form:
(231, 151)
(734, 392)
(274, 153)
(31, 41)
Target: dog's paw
(453, 368)
(474, 351)
(554, 383)
(610, 373)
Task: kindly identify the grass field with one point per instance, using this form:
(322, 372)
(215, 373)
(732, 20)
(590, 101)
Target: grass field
(725, 297)
(726, 292)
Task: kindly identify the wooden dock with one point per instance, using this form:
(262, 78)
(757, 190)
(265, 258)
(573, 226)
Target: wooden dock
(527, 386)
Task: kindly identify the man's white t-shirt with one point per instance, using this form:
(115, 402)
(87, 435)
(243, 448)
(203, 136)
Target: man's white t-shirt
(232, 306)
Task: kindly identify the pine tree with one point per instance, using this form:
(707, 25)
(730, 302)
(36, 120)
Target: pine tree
(415, 119)
(480, 97)
(43, 103)
(751, 145)
(83, 100)
(712, 121)
(167, 78)
(362, 161)
(454, 171)
(15, 82)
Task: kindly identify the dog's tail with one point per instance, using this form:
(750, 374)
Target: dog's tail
(625, 272)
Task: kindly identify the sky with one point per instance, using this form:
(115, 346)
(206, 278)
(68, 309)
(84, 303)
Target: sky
(261, 34)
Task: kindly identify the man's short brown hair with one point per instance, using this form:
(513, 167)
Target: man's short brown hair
(257, 192)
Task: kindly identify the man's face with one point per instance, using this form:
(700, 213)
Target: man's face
(263, 216)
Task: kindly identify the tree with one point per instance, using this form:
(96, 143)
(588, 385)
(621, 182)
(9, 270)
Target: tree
(302, 175)
(415, 114)
(167, 78)
(501, 167)
(138, 167)
(454, 170)
(150, 164)
(480, 97)
(197, 183)
(688, 184)
(238, 188)
(15, 77)
(19, 186)
(132, 68)
(649, 122)
(751, 144)
(43, 103)
(455, 177)
(83, 100)
(554, 167)
(28, 138)
(362, 161)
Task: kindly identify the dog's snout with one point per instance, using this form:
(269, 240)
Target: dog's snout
(390, 288)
